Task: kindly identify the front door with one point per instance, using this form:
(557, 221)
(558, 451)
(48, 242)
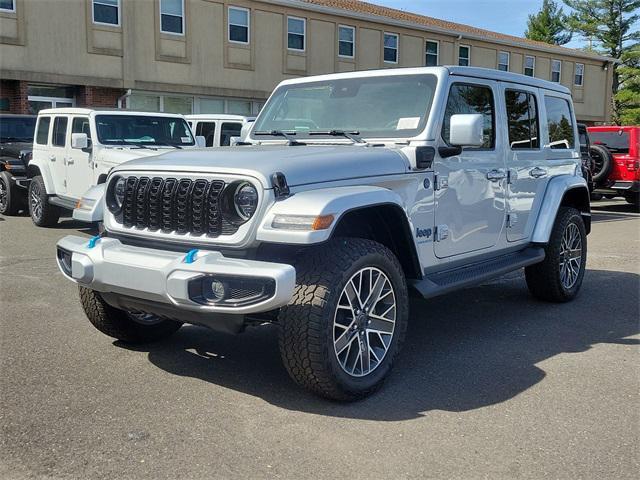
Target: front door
(470, 187)
(57, 155)
(79, 164)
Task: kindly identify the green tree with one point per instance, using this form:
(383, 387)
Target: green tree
(611, 24)
(549, 25)
(628, 96)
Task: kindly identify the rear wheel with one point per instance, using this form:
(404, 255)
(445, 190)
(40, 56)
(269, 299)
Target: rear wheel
(345, 324)
(42, 212)
(558, 278)
(633, 199)
(10, 199)
(125, 326)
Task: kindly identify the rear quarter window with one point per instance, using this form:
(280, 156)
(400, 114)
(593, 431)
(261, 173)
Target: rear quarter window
(42, 132)
(559, 123)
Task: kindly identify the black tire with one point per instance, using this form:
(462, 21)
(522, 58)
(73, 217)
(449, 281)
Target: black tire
(544, 279)
(602, 163)
(42, 212)
(11, 199)
(633, 199)
(595, 197)
(307, 324)
(120, 324)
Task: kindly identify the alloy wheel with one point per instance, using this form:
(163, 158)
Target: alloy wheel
(570, 256)
(3, 195)
(35, 201)
(364, 322)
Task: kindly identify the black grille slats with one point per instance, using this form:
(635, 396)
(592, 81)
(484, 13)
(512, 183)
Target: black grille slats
(172, 205)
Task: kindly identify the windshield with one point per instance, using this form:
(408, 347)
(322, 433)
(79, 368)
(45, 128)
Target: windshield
(17, 129)
(617, 142)
(378, 107)
(143, 130)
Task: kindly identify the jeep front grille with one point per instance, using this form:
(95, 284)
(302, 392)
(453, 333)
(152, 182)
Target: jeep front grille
(183, 206)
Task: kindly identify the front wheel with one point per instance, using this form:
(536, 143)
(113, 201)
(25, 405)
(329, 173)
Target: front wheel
(558, 278)
(42, 212)
(343, 329)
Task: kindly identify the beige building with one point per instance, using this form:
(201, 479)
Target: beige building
(218, 56)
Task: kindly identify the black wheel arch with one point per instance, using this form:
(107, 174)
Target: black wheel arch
(579, 198)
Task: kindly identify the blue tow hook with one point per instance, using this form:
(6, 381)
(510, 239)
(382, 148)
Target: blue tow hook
(190, 257)
(93, 241)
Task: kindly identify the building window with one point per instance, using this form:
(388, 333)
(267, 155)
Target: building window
(432, 48)
(477, 99)
(556, 71)
(559, 122)
(172, 16)
(7, 5)
(503, 61)
(464, 55)
(106, 12)
(391, 48)
(530, 66)
(522, 118)
(579, 75)
(59, 137)
(239, 25)
(346, 41)
(296, 31)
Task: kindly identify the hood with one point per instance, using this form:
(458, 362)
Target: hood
(13, 149)
(116, 156)
(300, 164)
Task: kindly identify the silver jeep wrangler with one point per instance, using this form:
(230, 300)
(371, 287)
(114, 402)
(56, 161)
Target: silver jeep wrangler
(349, 191)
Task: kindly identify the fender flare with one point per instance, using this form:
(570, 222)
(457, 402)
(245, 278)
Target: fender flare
(45, 173)
(336, 201)
(554, 195)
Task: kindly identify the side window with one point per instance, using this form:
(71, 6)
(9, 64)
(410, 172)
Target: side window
(229, 130)
(42, 135)
(208, 131)
(81, 125)
(59, 137)
(522, 118)
(559, 123)
(465, 98)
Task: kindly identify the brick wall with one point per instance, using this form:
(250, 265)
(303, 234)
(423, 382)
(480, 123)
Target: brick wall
(88, 96)
(13, 93)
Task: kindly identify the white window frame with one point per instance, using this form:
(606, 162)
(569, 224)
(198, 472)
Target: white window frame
(524, 68)
(508, 64)
(468, 47)
(353, 43)
(559, 62)
(93, 13)
(304, 33)
(575, 74)
(248, 25)
(397, 49)
(182, 17)
(11, 10)
(426, 52)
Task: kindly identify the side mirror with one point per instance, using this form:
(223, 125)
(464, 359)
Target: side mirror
(79, 141)
(201, 142)
(467, 130)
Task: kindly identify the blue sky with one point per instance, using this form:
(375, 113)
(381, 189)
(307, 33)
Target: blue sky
(505, 16)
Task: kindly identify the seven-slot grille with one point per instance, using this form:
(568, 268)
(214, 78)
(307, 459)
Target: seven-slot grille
(175, 205)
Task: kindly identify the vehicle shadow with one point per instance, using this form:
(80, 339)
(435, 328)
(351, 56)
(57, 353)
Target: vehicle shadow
(69, 223)
(464, 351)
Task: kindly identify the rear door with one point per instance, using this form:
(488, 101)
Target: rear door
(228, 130)
(208, 131)
(57, 157)
(470, 187)
(79, 165)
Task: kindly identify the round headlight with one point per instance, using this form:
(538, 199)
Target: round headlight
(245, 200)
(118, 191)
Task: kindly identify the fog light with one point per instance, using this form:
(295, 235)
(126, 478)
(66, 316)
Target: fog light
(213, 290)
(64, 260)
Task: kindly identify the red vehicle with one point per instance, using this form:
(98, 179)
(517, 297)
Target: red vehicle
(616, 154)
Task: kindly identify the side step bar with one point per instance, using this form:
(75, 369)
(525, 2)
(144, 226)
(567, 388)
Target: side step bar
(446, 281)
(67, 203)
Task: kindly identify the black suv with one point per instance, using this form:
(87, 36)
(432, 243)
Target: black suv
(587, 160)
(16, 140)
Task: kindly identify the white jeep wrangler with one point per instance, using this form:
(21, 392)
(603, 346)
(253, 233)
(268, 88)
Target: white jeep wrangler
(75, 148)
(356, 189)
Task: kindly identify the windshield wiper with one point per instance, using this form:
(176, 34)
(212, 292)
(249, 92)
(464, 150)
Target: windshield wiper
(166, 144)
(281, 133)
(354, 136)
(131, 144)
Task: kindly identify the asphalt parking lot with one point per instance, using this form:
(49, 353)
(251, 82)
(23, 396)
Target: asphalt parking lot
(491, 384)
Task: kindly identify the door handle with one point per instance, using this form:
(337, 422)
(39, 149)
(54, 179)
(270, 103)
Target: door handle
(496, 175)
(52, 158)
(70, 161)
(537, 172)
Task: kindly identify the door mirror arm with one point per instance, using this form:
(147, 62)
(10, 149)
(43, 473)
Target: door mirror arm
(449, 151)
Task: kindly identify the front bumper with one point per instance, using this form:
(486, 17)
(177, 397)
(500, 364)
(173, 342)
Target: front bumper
(161, 282)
